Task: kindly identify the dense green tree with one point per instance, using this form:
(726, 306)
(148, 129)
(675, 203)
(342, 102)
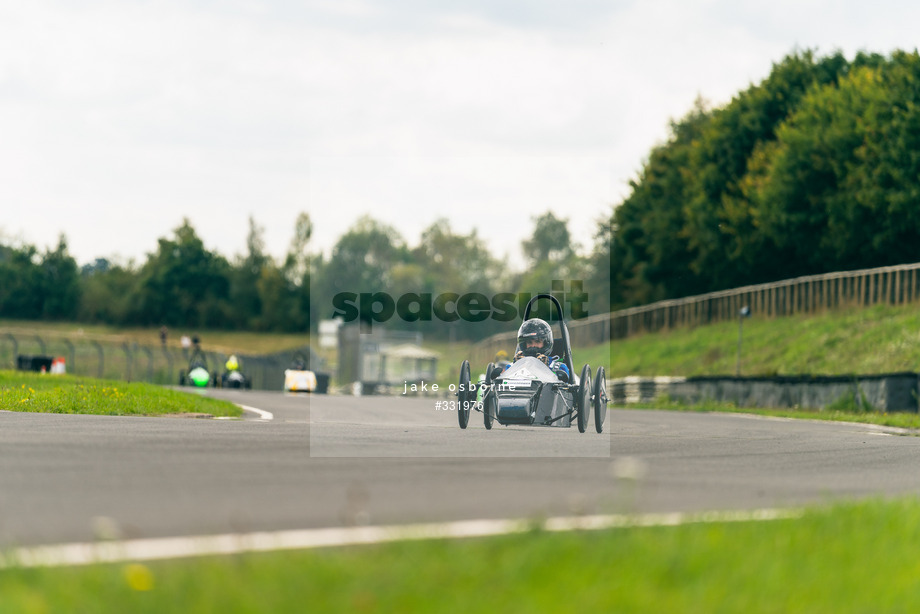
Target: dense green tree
(810, 170)
(245, 299)
(598, 282)
(362, 261)
(39, 286)
(723, 243)
(553, 258)
(454, 262)
(266, 296)
(297, 273)
(447, 261)
(649, 247)
(885, 182)
(550, 240)
(184, 284)
(109, 292)
(99, 265)
(297, 260)
(20, 282)
(282, 310)
(840, 185)
(60, 283)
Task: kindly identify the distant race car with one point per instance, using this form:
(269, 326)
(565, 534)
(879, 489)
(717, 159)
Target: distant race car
(197, 373)
(298, 378)
(233, 377)
(529, 393)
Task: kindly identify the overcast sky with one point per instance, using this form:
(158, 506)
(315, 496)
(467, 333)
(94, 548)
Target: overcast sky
(118, 118)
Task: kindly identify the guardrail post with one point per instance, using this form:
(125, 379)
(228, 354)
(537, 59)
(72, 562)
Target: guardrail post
(15, 348)
(169, 364)
(72, 355)
(101, 353)
(128, 359)
(146, 350)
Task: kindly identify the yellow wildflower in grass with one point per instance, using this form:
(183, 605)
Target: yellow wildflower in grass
(139, 577)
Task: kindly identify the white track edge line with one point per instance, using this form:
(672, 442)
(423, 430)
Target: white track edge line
(264, 415)
(236, 543)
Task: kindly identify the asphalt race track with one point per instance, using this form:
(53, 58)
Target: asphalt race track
(340, 461)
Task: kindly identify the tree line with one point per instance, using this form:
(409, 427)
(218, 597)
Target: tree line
(815, 169)
(183, 284)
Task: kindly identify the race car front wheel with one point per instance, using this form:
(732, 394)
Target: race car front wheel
(600, 399)
(584, 398)
(464, 395)
(489, 409)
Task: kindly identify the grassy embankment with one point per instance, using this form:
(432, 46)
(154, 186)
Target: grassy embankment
(880, 339)
(67, 394)
(848, 558)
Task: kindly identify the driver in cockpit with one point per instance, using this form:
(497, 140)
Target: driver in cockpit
(535, 338)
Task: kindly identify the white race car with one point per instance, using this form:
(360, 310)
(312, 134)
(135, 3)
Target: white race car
(298, 378)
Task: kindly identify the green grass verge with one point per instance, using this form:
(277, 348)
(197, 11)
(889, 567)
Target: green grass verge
(864, 341)
(67, 394)
(879, 339)
(847, 558)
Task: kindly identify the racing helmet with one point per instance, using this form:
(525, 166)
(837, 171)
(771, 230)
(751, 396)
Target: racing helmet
(539, 330)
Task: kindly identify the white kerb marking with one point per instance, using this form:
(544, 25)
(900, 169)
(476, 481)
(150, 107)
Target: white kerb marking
(236, 543)
(264, 415)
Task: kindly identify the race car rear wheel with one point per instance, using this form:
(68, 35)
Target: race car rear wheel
(489, 409)
(583, 398)
(600, 399)
(464, 395)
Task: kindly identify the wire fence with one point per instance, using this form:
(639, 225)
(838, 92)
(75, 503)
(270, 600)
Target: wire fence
(892, 285)
(124, 359)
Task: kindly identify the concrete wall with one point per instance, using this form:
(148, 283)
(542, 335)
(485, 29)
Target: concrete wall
(889, 392)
